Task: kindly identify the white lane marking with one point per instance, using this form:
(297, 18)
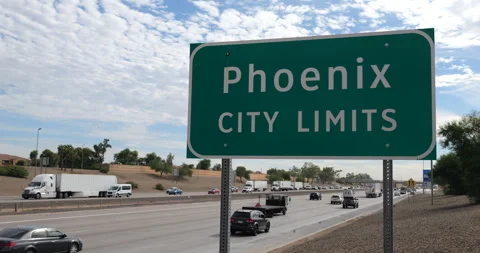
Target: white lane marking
(118, 213)
(107, 214)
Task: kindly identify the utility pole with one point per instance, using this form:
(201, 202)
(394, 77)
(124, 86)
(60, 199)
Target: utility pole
(36, 156)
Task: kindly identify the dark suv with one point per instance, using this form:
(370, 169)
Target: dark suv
(315, 196)
(251, 221)
(350, 201)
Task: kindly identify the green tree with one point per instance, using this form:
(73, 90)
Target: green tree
(33, 157)
(65, 152)
(149, 157)
(72, 155)
(310, 171)
(463, 137)
(159, 165)
(295, 171)
(204, 164)
(126, 156)
(169, 162)
(100, 150)
(53, 157)
(217, 167)
(449, 173)
(185, 170)
(241, 171)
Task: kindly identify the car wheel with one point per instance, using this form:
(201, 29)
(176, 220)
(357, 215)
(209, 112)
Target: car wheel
(267, 228)
(73, 248)
(232, 232)
(128, 195)
(284, 211)
(255, 230)
(331, 202)
(38, 195)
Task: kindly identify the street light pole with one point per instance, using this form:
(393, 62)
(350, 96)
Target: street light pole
(36, 156)
(82, 156)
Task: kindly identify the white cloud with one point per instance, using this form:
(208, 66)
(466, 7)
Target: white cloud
(456, 22)
(444, 116)
(106, 62)
(209, 6)
(444, 60)
(466, 78)
(147, 3)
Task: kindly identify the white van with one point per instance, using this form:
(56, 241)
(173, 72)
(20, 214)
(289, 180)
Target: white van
(119, 190)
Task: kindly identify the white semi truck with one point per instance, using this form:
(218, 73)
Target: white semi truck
(68, 185)
(374, 190)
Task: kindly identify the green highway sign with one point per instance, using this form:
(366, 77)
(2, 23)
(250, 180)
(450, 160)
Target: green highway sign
(354, 96)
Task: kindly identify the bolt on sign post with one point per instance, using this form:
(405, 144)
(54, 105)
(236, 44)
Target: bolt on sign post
(352, 96)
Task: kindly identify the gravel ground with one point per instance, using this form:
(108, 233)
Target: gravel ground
(450, 225)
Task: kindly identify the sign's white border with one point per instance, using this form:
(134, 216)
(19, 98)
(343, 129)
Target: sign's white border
(415, 31)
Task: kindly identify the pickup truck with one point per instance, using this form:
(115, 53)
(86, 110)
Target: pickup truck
(274, 203)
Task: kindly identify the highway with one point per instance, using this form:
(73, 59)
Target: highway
(190, 228)
(9, 199)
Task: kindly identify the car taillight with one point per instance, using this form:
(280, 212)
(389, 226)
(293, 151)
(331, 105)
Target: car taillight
(7, 245)
(232, 219)
(249, 221)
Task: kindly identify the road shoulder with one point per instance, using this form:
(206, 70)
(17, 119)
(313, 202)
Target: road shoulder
(447, 226)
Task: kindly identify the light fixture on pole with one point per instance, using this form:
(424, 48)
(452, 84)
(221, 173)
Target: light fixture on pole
(36, 156)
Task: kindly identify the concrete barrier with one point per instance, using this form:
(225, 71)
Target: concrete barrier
(96, 203)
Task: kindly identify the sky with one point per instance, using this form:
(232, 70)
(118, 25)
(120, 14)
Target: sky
(85, 70)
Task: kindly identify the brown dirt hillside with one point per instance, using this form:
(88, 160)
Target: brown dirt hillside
(146, 181)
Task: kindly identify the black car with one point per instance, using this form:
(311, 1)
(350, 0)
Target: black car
(31, 239)
(251, 221)
(350, 201)
(315, 196)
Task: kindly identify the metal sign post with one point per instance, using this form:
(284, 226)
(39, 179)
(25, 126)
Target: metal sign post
(431, 181)
(387, 206)
(225, 206)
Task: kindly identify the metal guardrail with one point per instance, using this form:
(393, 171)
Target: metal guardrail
(96, 203)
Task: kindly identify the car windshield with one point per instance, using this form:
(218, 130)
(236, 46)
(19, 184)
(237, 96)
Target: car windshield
(113, 188)
(241, 215)
(34, 184)
(334, 196)
(15, 233)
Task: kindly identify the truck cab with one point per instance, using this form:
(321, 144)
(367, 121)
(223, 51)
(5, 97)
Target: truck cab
(119, 190)
(41, 186)
(275, 186)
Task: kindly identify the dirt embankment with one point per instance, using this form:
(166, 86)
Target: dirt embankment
(451, 225)
(146, 181)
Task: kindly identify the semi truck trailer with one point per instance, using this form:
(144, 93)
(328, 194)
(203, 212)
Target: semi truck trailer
(68, 185)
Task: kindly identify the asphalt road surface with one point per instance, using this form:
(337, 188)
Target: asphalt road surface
(190, 228)
(9, 199)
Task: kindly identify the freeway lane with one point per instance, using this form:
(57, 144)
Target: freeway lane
(13, 199)
(187, 228)
(10, 199)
